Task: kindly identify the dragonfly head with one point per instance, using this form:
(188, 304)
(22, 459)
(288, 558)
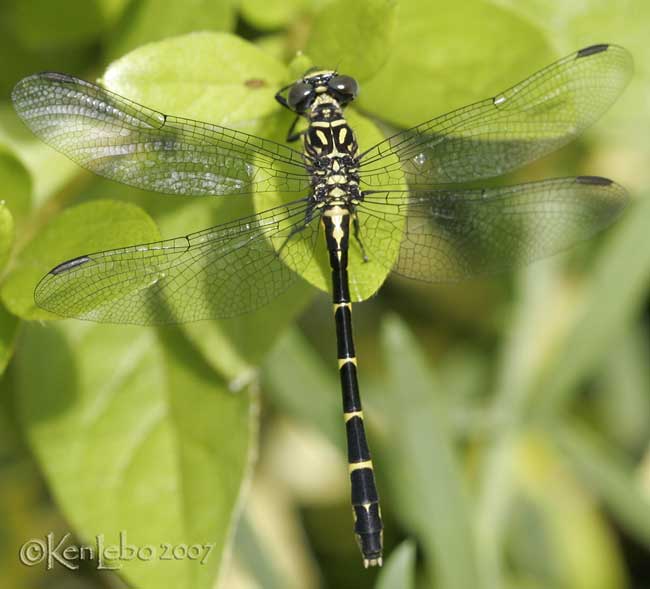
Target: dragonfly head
(300, 95)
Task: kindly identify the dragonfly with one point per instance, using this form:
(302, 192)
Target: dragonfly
(399, 204)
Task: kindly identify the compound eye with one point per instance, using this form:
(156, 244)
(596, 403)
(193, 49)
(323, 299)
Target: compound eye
(299, 96)
(344, 85)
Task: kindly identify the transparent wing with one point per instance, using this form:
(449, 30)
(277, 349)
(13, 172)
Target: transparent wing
(499, 134)
(452, 235)
(130, 143)
(219, 272)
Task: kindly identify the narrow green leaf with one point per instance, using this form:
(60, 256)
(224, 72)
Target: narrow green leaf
(147, 21)
(426, 477)
(557, 535)
(136, 435)
(610, 474)
(621, 400)
(355, 38)
(205, 76)
(399, 570)
(292, 368)
(79, 230)
(614, 295)
(433, 68)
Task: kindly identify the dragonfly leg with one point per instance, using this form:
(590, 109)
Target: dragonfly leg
(357, 237)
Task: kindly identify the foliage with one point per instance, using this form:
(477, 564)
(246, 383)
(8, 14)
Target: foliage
(509, 417)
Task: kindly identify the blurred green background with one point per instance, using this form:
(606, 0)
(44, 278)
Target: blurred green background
(509, 417)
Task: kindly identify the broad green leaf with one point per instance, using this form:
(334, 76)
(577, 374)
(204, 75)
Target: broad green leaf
(365, 277)
(272, 14)
(136, 435)
(214, 77)
(236, 346)
(79, 230)
(572, 25)
(24, 508)
(50, 171)
(355, 38)
(399, 570)
(559, 537)
(426, 478)
(147, 21)
(15, 184)
(42, 25)
(612, 298)
(433, 68)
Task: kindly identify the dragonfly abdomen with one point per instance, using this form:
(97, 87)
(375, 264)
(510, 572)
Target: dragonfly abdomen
(365, 499)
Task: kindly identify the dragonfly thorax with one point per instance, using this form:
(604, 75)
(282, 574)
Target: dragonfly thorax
(331, 148)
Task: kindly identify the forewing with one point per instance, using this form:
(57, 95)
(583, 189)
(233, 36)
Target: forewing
(224, 271)
(499, 134)
(452, 235)
(124, 141)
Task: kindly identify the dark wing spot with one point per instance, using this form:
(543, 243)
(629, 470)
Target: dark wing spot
(69, 265)
(592, 49)
(594, 180)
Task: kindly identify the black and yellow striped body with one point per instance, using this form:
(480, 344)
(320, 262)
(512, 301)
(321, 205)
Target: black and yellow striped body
(331, 143)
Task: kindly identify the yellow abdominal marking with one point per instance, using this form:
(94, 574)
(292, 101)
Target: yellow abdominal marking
(348, 416)
(344, 361)
(339, 305)
(359, 465)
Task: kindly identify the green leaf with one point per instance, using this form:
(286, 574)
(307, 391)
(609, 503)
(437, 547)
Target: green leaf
(399, 571)
(147, 21)
(356, 38)
(7, 233)
(136, 435)
(272, 14)
(612, 298)
(42, 25)
(205, 76)
(50, 171)
(15, 183)
(558, 535)
(426, 477)
(79, 230)
(433, 67)
(621, 401)
(293, 367)
(9, 326)
(610, 474)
